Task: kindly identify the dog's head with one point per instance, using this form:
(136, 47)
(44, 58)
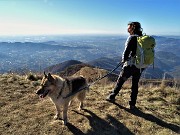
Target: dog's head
(47, 85)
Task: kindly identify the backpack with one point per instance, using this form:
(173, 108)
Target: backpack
(145, 51)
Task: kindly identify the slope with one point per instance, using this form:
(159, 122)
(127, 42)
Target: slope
(22, 112)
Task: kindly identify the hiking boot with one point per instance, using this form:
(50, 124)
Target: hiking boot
(111, 97)
(133, 107)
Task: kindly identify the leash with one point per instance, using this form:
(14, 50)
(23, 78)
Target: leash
(100, 78)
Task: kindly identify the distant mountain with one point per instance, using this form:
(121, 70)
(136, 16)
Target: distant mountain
(161, 65)
(167, 44)
(71, 70)
(176, 72)
(50, 42)
(98, 51)
(61, 66)
(165, 63)
(71, 67)
(168, 58)
(156, 73)
(106, 63)
(93, 74)
(2, 56)
(168, 62)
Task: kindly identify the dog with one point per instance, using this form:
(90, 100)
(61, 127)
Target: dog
(57, 88)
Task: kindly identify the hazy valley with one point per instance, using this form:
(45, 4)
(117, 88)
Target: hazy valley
(38, 53)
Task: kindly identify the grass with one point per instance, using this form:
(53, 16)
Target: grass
(23, 113)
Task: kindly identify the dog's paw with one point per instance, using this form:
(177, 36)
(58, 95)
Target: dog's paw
(65, 122)
(70, 103)
(80, 107)
(56, 117)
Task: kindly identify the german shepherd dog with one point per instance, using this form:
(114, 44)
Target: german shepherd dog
(57, 88)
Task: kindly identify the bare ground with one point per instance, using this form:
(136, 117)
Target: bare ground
(23, 113)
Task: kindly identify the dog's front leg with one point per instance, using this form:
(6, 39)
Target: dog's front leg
(57, 116)
(65, 109)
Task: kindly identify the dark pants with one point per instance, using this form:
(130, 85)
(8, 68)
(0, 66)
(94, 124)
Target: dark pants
(127, 72)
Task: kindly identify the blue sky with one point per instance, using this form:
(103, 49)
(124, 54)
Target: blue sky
(24, 17)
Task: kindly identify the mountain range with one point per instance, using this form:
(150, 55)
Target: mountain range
(96, 51)
(108, 64)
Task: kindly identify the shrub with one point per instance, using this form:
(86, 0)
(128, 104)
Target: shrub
(32, 77)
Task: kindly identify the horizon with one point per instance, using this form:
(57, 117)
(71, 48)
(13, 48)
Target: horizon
(90, 17)
(58, 38)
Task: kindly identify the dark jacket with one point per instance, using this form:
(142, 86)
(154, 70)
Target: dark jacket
(130, 48)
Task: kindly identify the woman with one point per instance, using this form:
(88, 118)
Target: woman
(129, 69)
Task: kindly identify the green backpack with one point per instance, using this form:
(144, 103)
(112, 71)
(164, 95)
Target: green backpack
(145, 51)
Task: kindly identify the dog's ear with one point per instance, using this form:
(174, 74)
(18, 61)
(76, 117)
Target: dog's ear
(50, 78)
(45, 74)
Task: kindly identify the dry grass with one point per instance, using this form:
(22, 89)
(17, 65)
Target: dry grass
(23, 113)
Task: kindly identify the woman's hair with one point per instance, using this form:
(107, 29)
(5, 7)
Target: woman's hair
(136, 28)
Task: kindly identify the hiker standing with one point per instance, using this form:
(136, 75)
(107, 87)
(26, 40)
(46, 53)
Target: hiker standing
(129, 68)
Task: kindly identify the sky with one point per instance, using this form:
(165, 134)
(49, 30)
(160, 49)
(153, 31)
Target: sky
(46, 17)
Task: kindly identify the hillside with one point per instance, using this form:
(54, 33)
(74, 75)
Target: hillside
(69, 67)
(61, 66)
(106, 63)
(167, 44)
(22, 112)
